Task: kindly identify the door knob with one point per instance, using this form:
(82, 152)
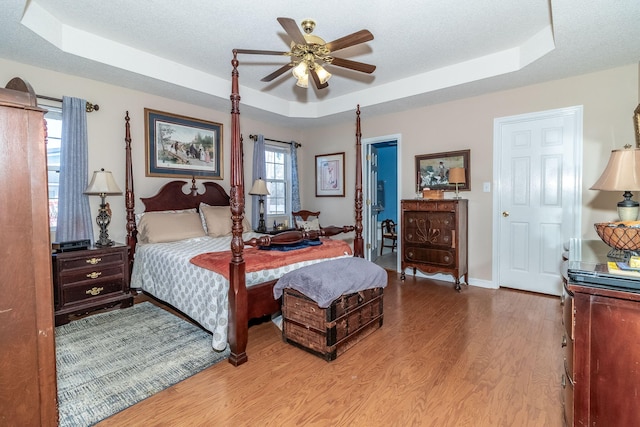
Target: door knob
(505, 214)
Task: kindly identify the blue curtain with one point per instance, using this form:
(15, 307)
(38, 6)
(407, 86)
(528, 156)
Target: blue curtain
(259, 171)
(295, 184)
(74, 213)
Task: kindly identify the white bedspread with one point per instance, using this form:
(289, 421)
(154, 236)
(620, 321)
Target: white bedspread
(164, 271)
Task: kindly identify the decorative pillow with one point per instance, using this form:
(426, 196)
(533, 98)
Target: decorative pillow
(217, 220)
(160, 227)
(313, 224)
(140, 215)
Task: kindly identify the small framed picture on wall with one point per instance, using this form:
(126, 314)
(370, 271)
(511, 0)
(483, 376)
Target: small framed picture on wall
(330, 175)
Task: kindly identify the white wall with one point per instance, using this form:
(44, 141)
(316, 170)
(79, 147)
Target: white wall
(609, 98)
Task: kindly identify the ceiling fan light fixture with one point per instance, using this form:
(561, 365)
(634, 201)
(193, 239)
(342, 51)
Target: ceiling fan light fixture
(323, 74)
(303, 81)
(300, 70)
(309, 52)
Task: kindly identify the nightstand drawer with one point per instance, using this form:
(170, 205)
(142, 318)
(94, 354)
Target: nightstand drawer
(95, 273)
(97, 260)
(93, 289)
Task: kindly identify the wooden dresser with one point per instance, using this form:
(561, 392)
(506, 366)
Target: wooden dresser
(90, 279)
(601, 340)
(434, 237)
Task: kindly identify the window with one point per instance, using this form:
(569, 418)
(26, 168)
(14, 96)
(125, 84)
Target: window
(278, 162)
(54, 135)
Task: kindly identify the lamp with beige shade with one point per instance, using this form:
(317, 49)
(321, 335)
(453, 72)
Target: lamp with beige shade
(259, 188)
(622, 174)
(102, 183)
(457, 177)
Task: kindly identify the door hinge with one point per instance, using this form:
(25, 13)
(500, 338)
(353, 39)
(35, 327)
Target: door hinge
(368, 245)
(368, 157)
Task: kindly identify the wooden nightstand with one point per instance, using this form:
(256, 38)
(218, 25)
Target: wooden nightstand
(90, 279)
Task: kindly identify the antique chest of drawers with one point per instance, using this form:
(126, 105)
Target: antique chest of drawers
(434, 237)
(90, 279)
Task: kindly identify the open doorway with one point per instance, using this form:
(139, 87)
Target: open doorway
(380, 189)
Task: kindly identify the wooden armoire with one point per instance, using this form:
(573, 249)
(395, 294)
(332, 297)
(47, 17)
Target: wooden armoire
(28, 395)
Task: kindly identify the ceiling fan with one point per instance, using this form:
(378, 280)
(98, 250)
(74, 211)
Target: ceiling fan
(309, 52)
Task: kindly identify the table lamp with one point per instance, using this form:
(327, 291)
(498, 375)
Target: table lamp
(456, 176)
(102, 183)
(260, 189)
(622, 174)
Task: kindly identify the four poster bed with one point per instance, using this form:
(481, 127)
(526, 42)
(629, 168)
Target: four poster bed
(221, 289)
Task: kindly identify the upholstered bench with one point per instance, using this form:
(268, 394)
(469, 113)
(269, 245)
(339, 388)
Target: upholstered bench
(330, 306)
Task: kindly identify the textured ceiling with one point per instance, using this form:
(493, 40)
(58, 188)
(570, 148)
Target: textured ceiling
(425, 51)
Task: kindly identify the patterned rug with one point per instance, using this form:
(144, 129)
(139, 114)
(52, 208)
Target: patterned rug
(110, 361)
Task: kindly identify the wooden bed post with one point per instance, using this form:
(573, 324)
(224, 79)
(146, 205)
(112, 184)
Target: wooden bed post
(238, 298)
(130, 202)
(358, 242)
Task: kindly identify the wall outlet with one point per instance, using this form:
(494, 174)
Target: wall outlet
(486, 187)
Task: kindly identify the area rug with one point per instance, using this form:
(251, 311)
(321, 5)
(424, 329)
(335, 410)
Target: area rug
(110, 361)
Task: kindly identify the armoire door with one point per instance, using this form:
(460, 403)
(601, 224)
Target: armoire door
(28, 392)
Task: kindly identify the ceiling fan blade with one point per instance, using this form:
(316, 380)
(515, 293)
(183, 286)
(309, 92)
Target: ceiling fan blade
(276, 73)
(358, 37)
(353, 65)
(316, 80)
(292, 30)
(261, 52)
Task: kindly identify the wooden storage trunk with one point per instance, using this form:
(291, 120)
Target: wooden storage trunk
(329, 332)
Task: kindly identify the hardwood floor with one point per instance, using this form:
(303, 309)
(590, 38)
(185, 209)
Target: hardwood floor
(442, 358)
(388, 261)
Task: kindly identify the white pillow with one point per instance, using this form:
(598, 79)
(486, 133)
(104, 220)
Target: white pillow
(139, 216)
(216, 220)
(160, 227)
(312, 224)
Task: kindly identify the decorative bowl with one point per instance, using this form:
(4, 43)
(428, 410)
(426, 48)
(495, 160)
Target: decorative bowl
(619, 236)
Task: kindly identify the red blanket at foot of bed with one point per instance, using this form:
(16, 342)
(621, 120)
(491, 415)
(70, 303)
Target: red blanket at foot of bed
(256, 259)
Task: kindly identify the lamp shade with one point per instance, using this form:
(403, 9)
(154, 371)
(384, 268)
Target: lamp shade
(102, 182)
(456, 176)
(622, 172)
(259, 188)
(323, 75)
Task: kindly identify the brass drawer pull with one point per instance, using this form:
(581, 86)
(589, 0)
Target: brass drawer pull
(93, 261)
(94, 291)
(94, 274)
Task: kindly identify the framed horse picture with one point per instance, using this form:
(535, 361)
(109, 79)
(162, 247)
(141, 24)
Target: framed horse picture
(432, 170)
(179, 146)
